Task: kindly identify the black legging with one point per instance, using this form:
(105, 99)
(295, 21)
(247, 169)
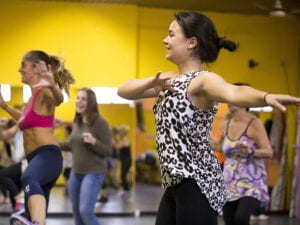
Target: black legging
(10, 179)
(125, 166)
(3, 189)
(184, 204)
(238, 212)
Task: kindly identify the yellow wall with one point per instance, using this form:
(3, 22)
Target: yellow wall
(98, 41)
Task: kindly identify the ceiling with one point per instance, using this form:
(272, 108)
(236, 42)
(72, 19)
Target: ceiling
(225, 6)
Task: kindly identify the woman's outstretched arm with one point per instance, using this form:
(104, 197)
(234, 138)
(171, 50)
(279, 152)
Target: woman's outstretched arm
(217, 89)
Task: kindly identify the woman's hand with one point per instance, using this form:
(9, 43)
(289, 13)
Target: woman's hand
(278, 101)
(46, 75)
(2, 102)
(162, 82)
(243, 150)
(89, 138)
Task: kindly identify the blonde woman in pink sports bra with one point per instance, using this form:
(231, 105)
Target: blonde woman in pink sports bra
(46, 77)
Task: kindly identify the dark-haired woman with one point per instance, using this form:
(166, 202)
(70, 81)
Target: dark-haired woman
(46, 76)
(90, 142)
(184, 110)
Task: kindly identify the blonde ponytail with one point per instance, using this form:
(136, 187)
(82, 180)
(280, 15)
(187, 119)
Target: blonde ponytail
(62, 77)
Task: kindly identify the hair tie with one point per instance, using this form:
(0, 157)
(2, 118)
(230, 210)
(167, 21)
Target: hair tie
(221, 42)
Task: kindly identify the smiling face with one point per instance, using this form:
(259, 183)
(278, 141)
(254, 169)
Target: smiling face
(178, 47)
(27, 71)
(81, 102)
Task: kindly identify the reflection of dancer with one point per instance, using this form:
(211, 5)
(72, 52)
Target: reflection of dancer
(245, 145)
(68, 161)
(90, 142)
(112, 163)
(45, 75)
(184, 111)
(10, 177)
(124, 150)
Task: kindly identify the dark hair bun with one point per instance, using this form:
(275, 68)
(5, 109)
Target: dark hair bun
(227, 44)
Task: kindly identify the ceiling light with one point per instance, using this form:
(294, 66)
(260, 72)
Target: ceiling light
(261, 109)
(6, 92)
(26, 93)
(109, 95)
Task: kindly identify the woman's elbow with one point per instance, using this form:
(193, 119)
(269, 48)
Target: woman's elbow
(270, 154)
(125, 94)
(108, 150)
(58, 100)
(121, 92)
(108, 153)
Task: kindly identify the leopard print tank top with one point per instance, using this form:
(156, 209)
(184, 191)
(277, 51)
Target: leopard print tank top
(182, 139)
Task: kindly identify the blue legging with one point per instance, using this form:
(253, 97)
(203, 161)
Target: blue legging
(44, 168)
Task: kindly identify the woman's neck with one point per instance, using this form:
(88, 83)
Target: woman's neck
(84, 118)
(33, 81)
(190, 65)
(239, 114)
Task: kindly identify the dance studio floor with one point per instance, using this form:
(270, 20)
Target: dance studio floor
(136, 209)
(149, 220)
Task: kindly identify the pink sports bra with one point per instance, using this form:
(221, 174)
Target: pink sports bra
(30, 119)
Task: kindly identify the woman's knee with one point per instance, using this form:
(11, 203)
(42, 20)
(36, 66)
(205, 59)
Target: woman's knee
(86, 212)
(30, 185)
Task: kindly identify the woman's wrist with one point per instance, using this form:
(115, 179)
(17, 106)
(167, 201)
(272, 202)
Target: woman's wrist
(265, 98)
(4, 107)
(149, 84)
(53, 86)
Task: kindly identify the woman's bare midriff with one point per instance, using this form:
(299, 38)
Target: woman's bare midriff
(37, 137)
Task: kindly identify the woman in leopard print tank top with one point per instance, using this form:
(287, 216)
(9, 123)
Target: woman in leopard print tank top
(184, 110)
